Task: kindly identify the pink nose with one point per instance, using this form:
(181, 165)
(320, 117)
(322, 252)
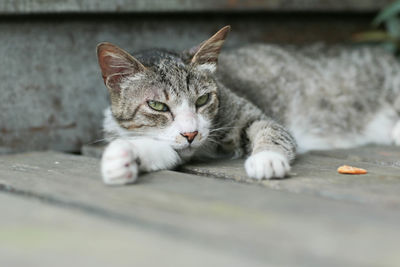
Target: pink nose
(190, 136)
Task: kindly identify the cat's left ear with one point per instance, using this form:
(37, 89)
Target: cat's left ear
(205, 55)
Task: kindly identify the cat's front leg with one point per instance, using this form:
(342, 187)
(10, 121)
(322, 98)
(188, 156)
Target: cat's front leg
(272, 150)
(123, 159)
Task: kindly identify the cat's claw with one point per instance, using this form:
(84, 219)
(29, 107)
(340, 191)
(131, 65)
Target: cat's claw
(267, 165)
(119, 164)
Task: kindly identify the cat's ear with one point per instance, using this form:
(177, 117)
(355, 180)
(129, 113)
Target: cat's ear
(205, 55)
(115, 64)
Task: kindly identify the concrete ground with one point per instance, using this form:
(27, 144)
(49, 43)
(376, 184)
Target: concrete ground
(55, 211)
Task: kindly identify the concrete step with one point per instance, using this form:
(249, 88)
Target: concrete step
(252, 224)
(315, 173)
(34, 233)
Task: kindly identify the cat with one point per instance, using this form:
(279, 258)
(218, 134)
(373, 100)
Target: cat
(264, 102)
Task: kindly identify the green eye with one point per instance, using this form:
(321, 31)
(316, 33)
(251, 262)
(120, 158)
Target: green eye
(157, 105)
(202, 100)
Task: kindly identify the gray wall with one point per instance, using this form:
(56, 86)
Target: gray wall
(52, 95)
(124, 6)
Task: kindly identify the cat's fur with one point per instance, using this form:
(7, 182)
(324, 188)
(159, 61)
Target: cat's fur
(326, 97)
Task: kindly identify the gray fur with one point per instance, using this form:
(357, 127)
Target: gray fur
(332, 90)
(261, 93)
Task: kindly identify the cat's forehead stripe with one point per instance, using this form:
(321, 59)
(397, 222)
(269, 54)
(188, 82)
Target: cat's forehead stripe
(166, 94)
(173, 77)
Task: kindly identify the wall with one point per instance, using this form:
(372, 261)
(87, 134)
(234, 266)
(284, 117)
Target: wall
(52, 95)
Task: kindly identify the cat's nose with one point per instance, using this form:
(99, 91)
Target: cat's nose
(190, 136)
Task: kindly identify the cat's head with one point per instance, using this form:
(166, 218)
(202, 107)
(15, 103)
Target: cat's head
(161, 95)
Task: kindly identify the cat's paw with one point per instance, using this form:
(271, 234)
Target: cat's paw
(119, 164)
(267, 165)
(396, 134)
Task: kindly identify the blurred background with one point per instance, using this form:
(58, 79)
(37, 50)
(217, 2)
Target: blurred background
(52, 95)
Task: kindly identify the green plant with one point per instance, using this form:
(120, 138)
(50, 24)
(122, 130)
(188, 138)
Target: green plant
(386, 29)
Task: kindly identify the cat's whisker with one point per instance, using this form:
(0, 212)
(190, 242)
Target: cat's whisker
(213, 140)
(222, 128)
(151, 137)
(137, 135)
(97, 141)
(213, 136)
(161, 139)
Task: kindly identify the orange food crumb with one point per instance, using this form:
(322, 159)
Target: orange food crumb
(345, 169)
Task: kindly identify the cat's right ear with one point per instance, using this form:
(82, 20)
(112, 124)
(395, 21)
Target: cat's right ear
(205, 55)
(116, 64)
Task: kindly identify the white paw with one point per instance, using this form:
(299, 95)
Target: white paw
(119, 164)
(396, 134)
(267, 165)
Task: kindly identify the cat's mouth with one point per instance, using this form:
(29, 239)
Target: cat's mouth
(187, 146)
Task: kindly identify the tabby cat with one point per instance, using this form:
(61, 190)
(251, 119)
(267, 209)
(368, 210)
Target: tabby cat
(168, 108)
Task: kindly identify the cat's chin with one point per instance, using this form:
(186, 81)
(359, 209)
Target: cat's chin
(186, 153)
(186, 147)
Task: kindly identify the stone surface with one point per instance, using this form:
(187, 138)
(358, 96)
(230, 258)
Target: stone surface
(316, 175)
(52, 93)
(244, 223)
(381, 155)
(122, 6)
(36, 234)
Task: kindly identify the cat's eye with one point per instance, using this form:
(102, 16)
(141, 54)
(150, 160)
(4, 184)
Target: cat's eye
(202, 100)
(158, 106)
